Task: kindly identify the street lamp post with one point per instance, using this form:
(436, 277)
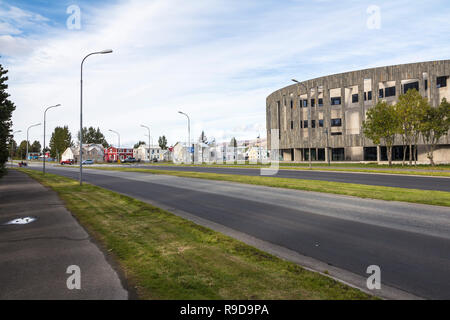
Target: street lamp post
(309, 122)
(118, 134)
(328, 148)
(12, 139)
(34, 125)
(189, 132)
(149, 145)
(81, 109)
(45, 115)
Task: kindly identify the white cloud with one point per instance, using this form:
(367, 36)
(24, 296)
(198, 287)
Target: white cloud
(216, 60)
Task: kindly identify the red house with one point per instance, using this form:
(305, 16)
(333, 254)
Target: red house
(112, 154)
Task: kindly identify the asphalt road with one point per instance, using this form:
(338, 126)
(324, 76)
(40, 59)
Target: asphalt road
(376, 179)
(410, 243)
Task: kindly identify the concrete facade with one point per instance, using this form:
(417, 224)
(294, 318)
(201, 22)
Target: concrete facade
(326, 113)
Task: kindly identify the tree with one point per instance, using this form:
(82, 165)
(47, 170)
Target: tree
(22, 150)
(162, 142)
(136, 145)
(408, 109)
(93, 135)
(6, 110)
(434, 124)
(233, 142)
(381, 125)
(61, 140)
(35, 147)
(203, 138)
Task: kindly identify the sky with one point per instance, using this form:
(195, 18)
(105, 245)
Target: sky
(216, 60)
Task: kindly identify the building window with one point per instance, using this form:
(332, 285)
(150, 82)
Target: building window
(409, 86)
(336, 133)
(305, 124)
(336, 122)
(337, 154)
(292, 125)
(304, 103)
(380, 93)
(389, 92)
(292, 104)
(441, 82)
(313, 102)
(426, 84)
(355, 98)
(313, 123)
(369, 95)
(321, 123)
(335, 101)
(320, 102)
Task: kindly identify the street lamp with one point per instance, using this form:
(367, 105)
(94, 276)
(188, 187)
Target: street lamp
(81, 110)
(118, 134)
(34, 125)
(45, 115)
(189, 132)
(149, 145)
(309, 122)
(12, 139)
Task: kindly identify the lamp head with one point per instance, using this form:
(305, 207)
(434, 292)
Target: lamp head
(296, 81)
(106, 51)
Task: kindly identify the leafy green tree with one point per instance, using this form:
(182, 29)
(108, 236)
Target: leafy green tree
(136, 145)
(22, 150)
(434, 124)
(6, 110)
(35, 147)
(162, 142)
(93, 135)
(61, 140)
(381, 125)
(409, 108)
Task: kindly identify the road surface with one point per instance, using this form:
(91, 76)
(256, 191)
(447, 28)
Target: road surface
(409, 242)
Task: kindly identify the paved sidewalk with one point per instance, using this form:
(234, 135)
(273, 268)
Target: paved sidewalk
(34, 257)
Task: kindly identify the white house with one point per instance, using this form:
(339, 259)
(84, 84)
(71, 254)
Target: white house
(142, 152)
(90, 151)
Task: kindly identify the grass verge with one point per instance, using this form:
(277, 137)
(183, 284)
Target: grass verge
(167, 257)
(429, 197)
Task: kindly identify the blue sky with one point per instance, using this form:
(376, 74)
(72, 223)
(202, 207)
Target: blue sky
(217, 60)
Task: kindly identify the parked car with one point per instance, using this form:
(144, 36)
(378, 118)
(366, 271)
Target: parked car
(70, 161)
(154, 160)
(88, 161)
(129, 160)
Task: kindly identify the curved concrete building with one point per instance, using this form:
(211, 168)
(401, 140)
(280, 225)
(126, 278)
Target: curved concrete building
(326, 113)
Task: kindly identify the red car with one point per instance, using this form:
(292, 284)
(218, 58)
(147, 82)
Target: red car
(70, 161)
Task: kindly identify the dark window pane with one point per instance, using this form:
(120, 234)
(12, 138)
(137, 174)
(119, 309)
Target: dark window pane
(313, 123)
(336, 133)
(410, 86)
(320, 123)
(320, 102)
(335, 101)
(389, 92)
(369, 95)
(336, 122)
(313, 102)
(441, 82)
(292, 125)
(381, 93)
(305, 123)
(355, 98)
